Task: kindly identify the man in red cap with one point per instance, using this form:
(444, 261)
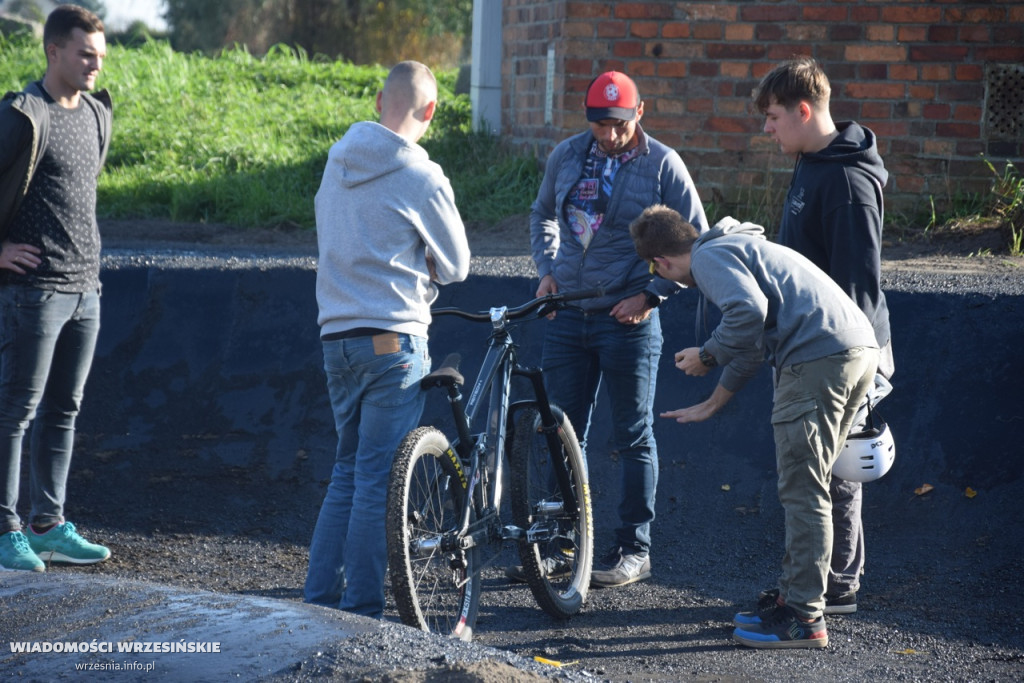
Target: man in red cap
(595, 184)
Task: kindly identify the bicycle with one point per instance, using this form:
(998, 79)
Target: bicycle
(444, 501)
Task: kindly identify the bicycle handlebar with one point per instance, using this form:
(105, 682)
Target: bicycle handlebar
(550, 302)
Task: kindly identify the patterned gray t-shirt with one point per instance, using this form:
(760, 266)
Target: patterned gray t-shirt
(58, 214)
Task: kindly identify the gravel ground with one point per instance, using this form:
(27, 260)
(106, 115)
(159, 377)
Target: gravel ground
(942, 599)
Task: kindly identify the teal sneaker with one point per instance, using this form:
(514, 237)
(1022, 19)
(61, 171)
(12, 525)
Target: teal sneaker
(63, 544)
(16, 555)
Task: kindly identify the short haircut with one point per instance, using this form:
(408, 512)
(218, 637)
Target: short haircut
(409, 86)
(794, 81)
(661, 231)
(65, 19)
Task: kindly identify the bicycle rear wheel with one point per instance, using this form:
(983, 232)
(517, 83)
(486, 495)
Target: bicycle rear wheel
(434, 586)
(558, 565)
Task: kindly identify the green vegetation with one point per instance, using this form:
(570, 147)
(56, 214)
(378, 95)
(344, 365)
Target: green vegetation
(243, 140)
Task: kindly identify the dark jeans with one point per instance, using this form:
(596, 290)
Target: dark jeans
(47, 340)
(582, 350)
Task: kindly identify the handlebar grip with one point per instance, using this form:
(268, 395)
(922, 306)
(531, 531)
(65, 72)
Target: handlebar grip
(595, 293)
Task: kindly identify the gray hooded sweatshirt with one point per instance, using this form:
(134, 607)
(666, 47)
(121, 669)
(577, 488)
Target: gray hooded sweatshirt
(381, 207)
(775, 304)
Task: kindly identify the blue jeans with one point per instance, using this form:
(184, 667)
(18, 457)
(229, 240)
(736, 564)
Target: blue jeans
(47, 340)
(376, 399)
(580, 351)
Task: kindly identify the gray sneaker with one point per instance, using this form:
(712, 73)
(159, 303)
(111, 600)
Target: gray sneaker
(619, 569)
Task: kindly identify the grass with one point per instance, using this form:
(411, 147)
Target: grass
(243, 140)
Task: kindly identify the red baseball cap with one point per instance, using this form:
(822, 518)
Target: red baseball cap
(612, 95)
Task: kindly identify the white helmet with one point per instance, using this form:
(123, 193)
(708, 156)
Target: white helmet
(866, 456)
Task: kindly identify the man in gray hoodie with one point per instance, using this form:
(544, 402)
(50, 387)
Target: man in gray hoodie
(778, 305)
(388, 230)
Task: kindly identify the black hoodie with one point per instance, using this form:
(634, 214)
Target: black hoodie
(833, 216)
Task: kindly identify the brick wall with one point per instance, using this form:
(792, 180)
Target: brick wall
(924, 75)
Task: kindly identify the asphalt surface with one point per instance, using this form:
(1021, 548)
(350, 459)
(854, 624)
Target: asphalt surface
(220, 349)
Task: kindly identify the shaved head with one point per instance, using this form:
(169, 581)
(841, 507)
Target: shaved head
(410, 86)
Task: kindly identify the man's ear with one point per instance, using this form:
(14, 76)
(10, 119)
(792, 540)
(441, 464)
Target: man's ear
(429, 109)
(805, 111)
(380, 98)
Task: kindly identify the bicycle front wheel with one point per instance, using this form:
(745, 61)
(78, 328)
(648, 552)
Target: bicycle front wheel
(433, 580)
(557, 563)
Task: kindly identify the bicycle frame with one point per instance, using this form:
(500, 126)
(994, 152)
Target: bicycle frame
(483, 456)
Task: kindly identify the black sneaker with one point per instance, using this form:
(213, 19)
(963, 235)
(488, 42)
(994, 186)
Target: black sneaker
(783, 629)
(768, 599)
(845, 603)
(619, 569)
(554, 568)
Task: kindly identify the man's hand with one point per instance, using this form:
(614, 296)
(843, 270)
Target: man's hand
(688, 360)
(633, 310)
(702, 411)
(18, 257)
(547, 286)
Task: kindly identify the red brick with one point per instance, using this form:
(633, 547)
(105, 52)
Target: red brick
(587, 8)
(845, 33)
(675, 30)
(707, 31)
(967, 112)
(730, 125)
(767, 12)
(958, 130)
(672, 70)
(969, 72)
(935, 72)
(1012, 34)
(902, 14)
(921, 92)
(865, 14)
(912, 34)
(1006, 54)
(611, 29)
(781, 51)
(978, 15)
(639, 68)
(880, 33)
(960, 92)
(939, 112)
(769, 32)
(705, 69)
(738, 69)
(875, 53)
(643, 29)
(643, 10)
(872, 72)
(875, 110)
(975, 34)
(700, 105)
(942, 33)
(806, 32)
(903, 72)
(628, 48)
(733, 51)
(937, 53)
(875, 91)
(712, 11)
(825, 12)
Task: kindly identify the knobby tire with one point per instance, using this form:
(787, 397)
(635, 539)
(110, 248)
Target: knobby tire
(536, 500)
(435, 589)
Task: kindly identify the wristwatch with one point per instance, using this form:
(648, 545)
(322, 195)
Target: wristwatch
(653, 300)
(707, 359)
